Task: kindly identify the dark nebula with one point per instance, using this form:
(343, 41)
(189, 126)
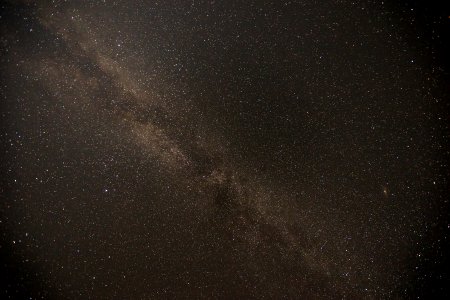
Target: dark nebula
(224, 149)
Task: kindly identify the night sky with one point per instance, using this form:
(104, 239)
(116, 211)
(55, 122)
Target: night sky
(224, 149)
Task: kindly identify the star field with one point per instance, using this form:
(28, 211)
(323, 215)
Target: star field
(223, 149)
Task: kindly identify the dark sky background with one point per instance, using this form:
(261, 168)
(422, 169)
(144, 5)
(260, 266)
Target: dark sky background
(224, 149)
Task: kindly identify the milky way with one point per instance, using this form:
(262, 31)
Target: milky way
(220, 150)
